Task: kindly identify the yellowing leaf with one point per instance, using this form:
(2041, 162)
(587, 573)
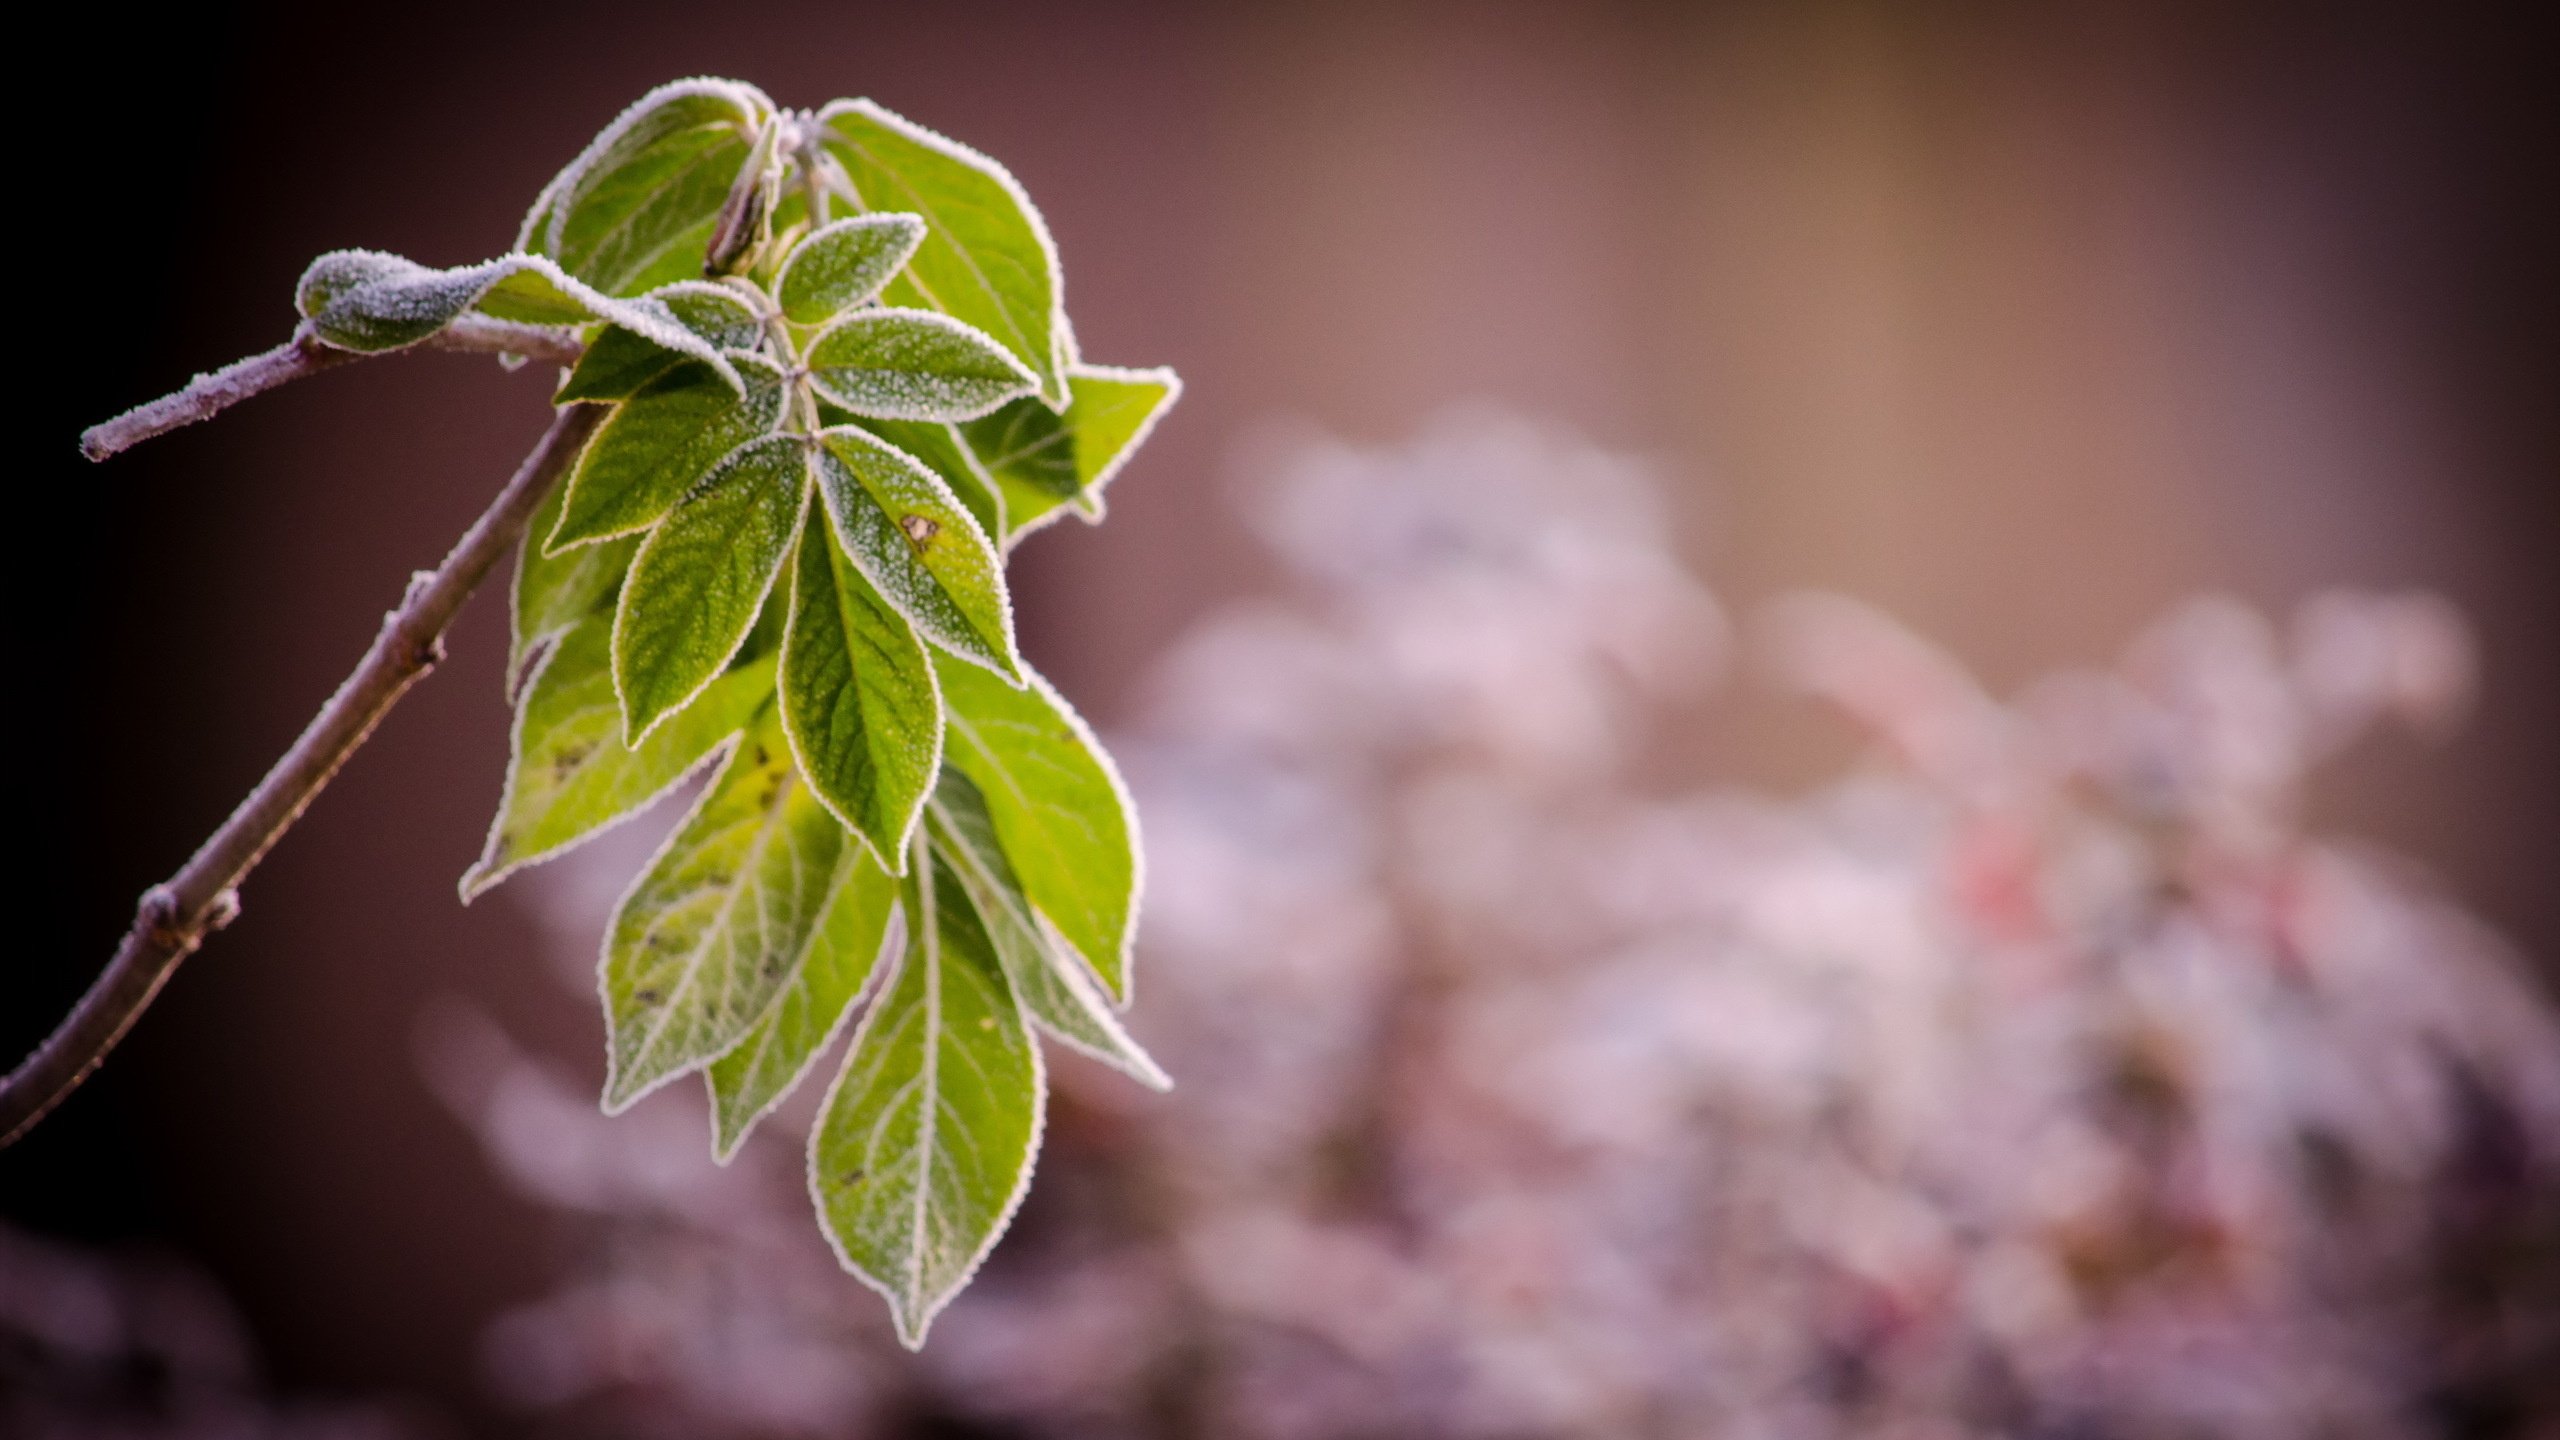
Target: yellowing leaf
(709, 934)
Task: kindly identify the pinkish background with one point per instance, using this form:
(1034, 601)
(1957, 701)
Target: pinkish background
(2020, 325)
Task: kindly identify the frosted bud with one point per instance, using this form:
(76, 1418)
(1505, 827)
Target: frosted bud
(745, 220)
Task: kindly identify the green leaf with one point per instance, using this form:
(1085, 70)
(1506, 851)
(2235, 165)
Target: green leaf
(1040, 460)
(701, 577)
(843, 264)
(913, 365)
(1058, 806)
(943, 452)
(926, 1143)
(659, 444)
(709, 933)
(853, 941)
(858, 699)
(908, 535)
(725, 315)
(570, 775)
(370, 302)
(986, 259)
(636, 209)
(618, 361)
(555, 592)
(1050, 980)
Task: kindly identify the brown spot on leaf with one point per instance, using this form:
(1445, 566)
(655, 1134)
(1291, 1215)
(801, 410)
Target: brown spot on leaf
(566, 763)
(920, 529)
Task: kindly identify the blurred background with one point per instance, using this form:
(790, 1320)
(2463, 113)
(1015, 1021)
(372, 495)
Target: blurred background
(2019, 324)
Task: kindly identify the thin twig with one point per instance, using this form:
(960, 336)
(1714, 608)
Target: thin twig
(175, 917)
(305, 354)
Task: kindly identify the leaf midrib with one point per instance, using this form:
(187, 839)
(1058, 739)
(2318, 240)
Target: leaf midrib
(837, 877)
(757, 848)
(928, 1078)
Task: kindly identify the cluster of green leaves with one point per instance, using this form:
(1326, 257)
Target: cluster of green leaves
(842, 388)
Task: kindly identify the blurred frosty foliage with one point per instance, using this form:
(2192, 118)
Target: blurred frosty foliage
(2038, 1078)
(96, 1347)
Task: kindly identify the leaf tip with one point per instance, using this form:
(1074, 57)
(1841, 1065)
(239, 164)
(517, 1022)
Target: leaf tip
(641, 712)
(913, 1319)
(732, 1119)
(623, 1088)
(893, 860)
(639, 722)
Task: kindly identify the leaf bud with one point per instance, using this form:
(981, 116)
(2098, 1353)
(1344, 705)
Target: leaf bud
(745, 219)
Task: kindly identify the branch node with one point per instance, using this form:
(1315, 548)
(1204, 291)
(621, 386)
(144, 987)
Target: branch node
(163, 918)
(219, 914)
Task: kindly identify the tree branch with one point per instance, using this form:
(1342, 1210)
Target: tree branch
(176, 916)
(305, 354)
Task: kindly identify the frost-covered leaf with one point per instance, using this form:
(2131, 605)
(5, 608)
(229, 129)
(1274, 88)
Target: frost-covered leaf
(570, 775)
(1058, 805)
(555, 592)
(618, 361)
(707, 936)
(659, 444)
(370, 302)
(913, 365)
(986, 257)
(939, 445)
(844, 264)
(1040, 460)
(927, 1139)
(858, 699)
(853, 939)
(1051, 982)
(701, 578)
(332, 277)
(910, 537)
(635, 210)
(725, 315)
(534, 290)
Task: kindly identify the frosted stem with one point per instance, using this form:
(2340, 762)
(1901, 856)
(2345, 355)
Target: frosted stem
(209, 395)
(176, 916)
